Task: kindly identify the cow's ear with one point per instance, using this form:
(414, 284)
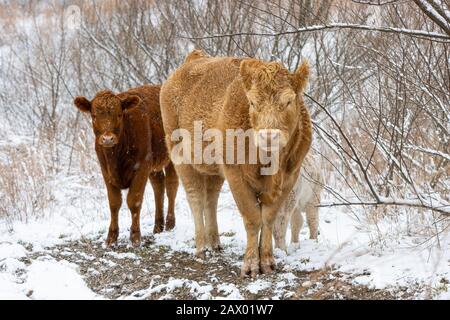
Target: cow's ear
(301, 77)
(248, 70)
(130, 102)
(82, 104)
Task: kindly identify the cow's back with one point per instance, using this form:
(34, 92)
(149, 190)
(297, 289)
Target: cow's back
(145, 127)
(196, 91)
(309, 185)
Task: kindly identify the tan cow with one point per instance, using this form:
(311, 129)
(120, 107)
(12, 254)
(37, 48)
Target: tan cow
(231, 94)
(305, 197)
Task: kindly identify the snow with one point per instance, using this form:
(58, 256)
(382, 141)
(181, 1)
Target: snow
(127, 255)
(230, 291)
(56, 280)
(258, 285)
(202, 292)
(47, 279)
(9, 289)
(11, 265)
(343, 244)
(11, 250)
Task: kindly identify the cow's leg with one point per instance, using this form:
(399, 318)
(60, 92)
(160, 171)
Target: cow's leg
(171, 190)
(269, 214)
(312, 216)
(296, 224)
(213, 186)
(195, 188)
(250, 210)
(280, 227)
(157, 180)
(134, 201)
(115, 202)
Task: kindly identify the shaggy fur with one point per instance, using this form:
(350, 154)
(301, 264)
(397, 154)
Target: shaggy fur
(230, 93)
(305, 197)
(130, 148)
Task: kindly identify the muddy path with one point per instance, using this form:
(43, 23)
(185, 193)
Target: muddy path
(157, 272)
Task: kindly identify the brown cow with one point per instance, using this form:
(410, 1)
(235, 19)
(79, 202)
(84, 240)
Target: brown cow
(130, 148)
(228, 93)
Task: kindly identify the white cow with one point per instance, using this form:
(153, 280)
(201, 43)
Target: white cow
(303, 198)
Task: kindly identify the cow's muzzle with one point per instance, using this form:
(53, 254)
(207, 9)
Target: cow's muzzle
(270, 139)
(108, 140)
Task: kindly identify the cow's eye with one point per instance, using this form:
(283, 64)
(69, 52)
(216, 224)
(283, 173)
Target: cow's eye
(290, 104)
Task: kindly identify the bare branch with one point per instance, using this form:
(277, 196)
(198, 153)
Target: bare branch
(445, 210)
(435, 13)
(333, 27)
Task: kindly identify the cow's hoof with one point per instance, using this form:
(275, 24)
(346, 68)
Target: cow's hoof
(268, 266)
(170, 224)
(159, 226)
(136, 244)
(217, 248)
(213, 245)
(135, 238)
(250, 268)
(111, 243)
(111, 240)
(201, 254)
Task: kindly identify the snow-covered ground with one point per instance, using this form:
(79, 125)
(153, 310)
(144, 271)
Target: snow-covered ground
(79, 211)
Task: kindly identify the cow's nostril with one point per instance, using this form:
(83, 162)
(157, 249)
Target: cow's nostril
(107, 140)
(270, 139)
(269, 134)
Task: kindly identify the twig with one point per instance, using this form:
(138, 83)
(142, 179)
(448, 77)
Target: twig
(332, 27)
